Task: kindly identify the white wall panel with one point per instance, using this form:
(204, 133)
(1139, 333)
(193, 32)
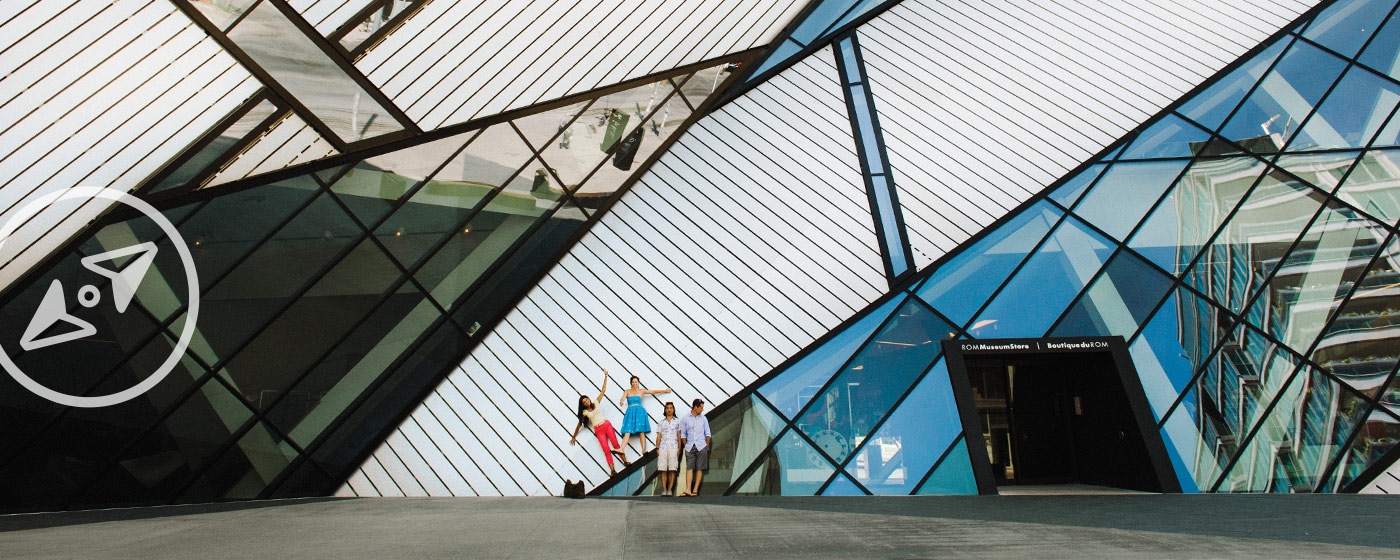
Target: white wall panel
(454, 61)
(744, 243)
(1387, 482)
(327, 15)
(985, 102)
(99, 94)
(289, 142)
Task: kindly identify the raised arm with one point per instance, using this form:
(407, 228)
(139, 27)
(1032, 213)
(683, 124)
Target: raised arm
(605, 388)
(656, 392)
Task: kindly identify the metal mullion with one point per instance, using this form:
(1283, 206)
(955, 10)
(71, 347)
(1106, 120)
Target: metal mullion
(960, 438)
(1381, 464)
(887, 169)
(236, 20)
(346, 67)
(1283, 53)
(611, 151)
(237, 149)
(204, 141)
(644, 483)
(1050, 232)
(1245, 442)
(377, 37)
(847, 362)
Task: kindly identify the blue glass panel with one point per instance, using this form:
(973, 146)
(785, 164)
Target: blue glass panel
(1360, 345)
(1041, 290)
(1250, 245)
(960, 286)
(1253, 470)
(846, 49)
(1327, 416)
(880, 373)
(784, 51)
(859, 10)
(1212, 106)
(769, 420)
(1284, 98)
(893, 460)
(1189, 216)
(842, 486)
(1374, 186)
(865, 125)
(954, 475)
(801, 469)
(1173, 345)
(1069, 192)
(889, 227)
(1383, 53)
(1114, 154)
(821, 18)
(796, 385)
(1125, 193)
(1118, 301)
(1351, 115)
(1200, 452)
(1346, 25)
(1183, 474)
(1171, 136)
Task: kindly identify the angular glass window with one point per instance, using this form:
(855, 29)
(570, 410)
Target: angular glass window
(1068, 260)
(797, 469)
(1347, 24)
(1210, 107)
(1125, 193)
(822, 17)
(953, 475)
(372, 187)
(1374, 186)
(1266, 453)
(842, 486)
(1068, 193)
(1327, 414)
(1351, 115)
(1324, 171)
(223, 231)
(1373, 441)
(615, 122)
(246, 470)
(741, 434)
(639, 146)
(1382, 54)
(1172, 237)
(1173, 345)
(195, 166)
(1117, 303)
(907, 445)
(1167, 138)
(861, 395)
(1284, 98)
(792, 389)
(373, 22)
(1362, 344)
(308, 73)
(222, 13)
(1251, 244)
(964, 282)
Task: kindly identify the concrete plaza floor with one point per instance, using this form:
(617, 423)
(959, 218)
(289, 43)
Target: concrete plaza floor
(732, 528)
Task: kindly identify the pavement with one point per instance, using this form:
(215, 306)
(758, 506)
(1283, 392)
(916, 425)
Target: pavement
(730, 528)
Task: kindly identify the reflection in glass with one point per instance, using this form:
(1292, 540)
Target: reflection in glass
(1170, 137)
(1125, 193)
(1118, 301)
(1056, 273)
(195, 166)
(1212, 106)
(795, 387)
(1362, 344)
(1068, 193)
(612, 130)
(1382, 54)
(1347, 24)
(1172, 237)
(953, 475)
(792, 468)
(906, 446)
(1286, 96)
(309, 74)
(374, 21)
(1352, 114)
(741, 433)
(221, 13)
(1374, 186)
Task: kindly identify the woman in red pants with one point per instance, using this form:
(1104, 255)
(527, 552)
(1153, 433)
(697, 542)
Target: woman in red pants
(590, 416)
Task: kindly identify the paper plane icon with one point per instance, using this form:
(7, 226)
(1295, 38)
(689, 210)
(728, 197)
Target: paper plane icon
(124, 281)
(52, 310)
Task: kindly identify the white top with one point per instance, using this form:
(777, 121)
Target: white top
(666, 431)
(595, 417)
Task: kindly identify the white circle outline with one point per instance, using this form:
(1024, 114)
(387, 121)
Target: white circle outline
(192, 314)
(96, 296)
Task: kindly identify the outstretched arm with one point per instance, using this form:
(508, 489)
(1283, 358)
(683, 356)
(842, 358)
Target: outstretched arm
(574, 438)
(657, 392)
(605, 387)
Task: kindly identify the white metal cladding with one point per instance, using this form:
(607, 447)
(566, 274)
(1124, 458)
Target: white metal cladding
(1387, 482)
(746, 241)
(327, 15)
(98, 93)
(457, 60)
(985, 102)
(289, 142)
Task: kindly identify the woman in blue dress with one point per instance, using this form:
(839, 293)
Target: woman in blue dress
(634, 419)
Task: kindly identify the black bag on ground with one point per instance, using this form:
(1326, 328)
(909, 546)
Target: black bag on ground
(573, 489)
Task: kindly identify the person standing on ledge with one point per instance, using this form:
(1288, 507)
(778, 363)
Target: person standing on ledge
(668, 449)
(589, 415)
(695, 427)
(635, 420)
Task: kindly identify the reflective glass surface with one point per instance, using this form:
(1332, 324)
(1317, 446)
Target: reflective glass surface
(1118, 302)
(1193, 211)
(953, 475)
(1352, 114)
(909, 442)
(1374, 186)
(1286, 96)
(791, 391)
(1125, 193)
(1070, 192)
(1347, 24)
(1058, 270)
(194, 167)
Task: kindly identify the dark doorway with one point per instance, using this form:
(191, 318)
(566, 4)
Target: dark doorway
(1059, 418)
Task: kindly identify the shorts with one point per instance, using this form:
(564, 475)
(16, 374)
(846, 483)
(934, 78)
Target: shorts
(668, 459)
(698, 459)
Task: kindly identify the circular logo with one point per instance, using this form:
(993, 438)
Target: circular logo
(123, 284)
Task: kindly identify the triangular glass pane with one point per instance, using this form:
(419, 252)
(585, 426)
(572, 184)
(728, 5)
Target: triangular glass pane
(1172, 237)
(1263, 458)
(613, 121)
(1068, 193)
(1056, 273)
(1382, 54)
(859, 10)
(1250, 245)
(765, 480)
(1174, 344)
(1197, 450)
(1210, 107)
(842, 486)
(784, 51)
(1126, 192)
(842, 416)
(892, 460)
(1286, 96)
(964, 282)
(741, 434)
(1347, 24)
(799, 470)
(1351, 115)
(821, 18)
(1328, 413)
(795, 386)
(1373, 441)
(1324, 171)
(373, 187)
(1169, 137)
(1316, 275)
(1115, 153)
(1359, 346)
(767, 419)
(953, 476)
(1374, 186)
(639, 145)
(543, 128)
(1118, 302)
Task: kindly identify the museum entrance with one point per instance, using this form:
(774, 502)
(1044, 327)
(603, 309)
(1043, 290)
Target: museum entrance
(1057, 418)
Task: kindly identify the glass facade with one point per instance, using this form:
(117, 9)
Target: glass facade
(329, 301)
(1244, 244)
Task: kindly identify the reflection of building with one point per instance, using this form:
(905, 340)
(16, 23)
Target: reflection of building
(420, 229)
